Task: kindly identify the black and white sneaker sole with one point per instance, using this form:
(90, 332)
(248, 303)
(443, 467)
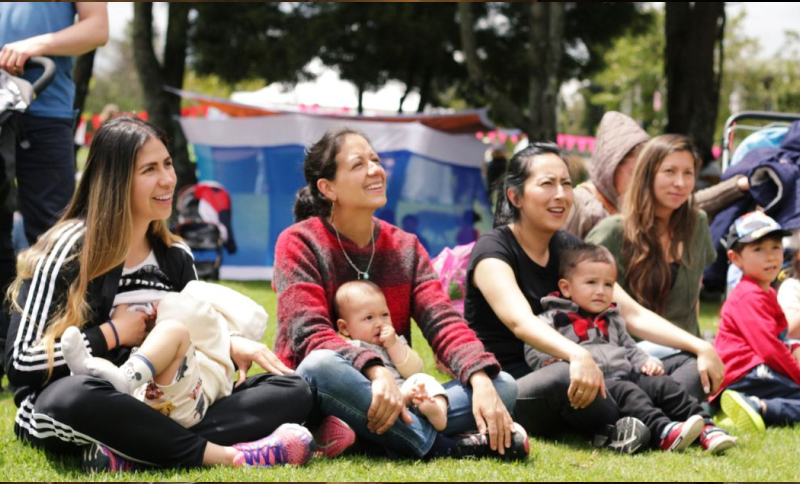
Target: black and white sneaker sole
(629, 436)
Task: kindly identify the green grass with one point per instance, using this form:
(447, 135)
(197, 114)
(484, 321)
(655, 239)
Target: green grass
(766, 457)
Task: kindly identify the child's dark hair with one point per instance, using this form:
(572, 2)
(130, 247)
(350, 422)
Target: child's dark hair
(572, 256)
(341, 293)
(320, 163)
(519, 169)
(738, 246)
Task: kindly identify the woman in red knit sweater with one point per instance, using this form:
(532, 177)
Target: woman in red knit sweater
(337, 239)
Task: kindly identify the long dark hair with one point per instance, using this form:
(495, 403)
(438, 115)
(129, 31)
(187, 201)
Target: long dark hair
(320, 163)
(647, 274)
(519, 169)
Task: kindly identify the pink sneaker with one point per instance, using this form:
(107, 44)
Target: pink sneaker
(682, 434)
(333, 437)
(290, 444)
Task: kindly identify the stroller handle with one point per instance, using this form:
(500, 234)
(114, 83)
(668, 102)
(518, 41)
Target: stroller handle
(47, 76)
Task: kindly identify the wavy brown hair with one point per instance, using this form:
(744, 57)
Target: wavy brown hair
(647, 274)
(103, 203)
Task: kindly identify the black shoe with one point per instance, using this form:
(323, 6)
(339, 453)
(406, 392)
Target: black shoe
(629, 435)
(99, 458)
(477, 445)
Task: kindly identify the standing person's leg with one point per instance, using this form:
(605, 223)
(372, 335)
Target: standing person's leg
(45, 172)
(543, 408)
(780, 394)
(682, 368)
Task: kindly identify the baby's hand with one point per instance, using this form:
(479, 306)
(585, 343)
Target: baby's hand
(419, 394)
(653, 367)
(388, 336)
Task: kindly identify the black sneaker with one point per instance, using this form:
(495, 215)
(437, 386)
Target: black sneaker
(99, 458)
(477, 445)
(628, 436)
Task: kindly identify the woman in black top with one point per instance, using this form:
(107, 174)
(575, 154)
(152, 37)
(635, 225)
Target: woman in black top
(513, 267)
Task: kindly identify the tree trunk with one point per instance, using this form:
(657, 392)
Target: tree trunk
(160, 105)
(81, 75)
(425, 88)
(360, 88)
(694, 32)
(544, 60)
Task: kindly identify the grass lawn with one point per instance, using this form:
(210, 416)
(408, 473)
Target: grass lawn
(765, 457)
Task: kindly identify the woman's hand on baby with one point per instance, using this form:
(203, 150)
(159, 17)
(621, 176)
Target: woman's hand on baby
(387, 401)
(586, 380)
(388, 336)
(131, 326)
(653, 367)
(245, 352)
(491, 414)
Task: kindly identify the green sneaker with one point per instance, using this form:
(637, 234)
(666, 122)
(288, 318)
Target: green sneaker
(723, 420)
(744, 411)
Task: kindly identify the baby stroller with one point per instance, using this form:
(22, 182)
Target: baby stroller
(16, 95)
(204, 222)
(770, 158)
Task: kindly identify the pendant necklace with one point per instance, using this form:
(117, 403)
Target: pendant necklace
(361, 274)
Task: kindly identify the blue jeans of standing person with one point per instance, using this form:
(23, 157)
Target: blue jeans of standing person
(344, 392)
(45, 178)
(780, 393)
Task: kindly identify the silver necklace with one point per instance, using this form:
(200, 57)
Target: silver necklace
(361, 274)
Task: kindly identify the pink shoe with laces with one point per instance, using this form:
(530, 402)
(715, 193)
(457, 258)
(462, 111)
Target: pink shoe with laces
(290, 444)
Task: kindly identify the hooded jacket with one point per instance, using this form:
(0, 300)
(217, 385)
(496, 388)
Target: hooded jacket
(616, 136)
(603, 335)
(773, 174)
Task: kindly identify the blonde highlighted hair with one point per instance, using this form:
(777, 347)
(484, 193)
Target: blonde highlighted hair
(647, 274)
(102, 202)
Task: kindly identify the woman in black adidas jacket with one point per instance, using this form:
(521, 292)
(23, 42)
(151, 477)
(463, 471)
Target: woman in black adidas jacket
(71, 277)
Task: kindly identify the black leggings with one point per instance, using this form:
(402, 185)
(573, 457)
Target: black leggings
(543, 408)
(79, 410)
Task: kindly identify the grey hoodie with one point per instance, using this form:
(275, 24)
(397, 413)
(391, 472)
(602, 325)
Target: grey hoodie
(616, 136)
(615, 352)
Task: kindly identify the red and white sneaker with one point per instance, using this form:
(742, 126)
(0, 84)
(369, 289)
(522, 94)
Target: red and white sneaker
(333, 437)
(680, 435)
(715, 440)
(290, 444)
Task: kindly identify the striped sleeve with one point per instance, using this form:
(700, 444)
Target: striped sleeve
(39, 297)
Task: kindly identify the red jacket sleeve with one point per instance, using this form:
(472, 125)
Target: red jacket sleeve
(756, 323)
(304, 319)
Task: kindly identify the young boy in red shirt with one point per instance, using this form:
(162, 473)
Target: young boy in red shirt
(762, 375)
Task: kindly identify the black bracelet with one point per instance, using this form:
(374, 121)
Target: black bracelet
(114, 329)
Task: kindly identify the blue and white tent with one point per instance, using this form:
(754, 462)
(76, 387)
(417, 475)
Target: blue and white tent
(434, 187)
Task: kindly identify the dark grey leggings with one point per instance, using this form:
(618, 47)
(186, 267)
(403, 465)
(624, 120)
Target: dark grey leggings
(544, 410)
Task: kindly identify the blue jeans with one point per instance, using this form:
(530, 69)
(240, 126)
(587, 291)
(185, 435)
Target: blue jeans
(781, 394)
(344, 392)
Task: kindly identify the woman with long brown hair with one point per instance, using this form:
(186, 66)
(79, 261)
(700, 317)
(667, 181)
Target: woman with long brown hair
(662, 243)
(115, 225)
